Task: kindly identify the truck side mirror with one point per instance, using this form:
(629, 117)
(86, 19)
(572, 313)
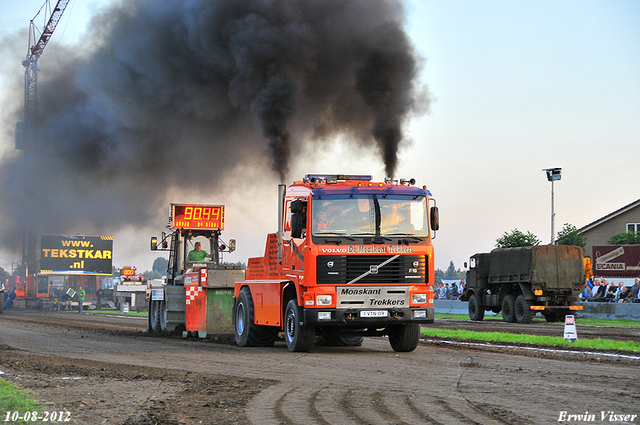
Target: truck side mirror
(232, 245)
(435, 219)
(154, 243)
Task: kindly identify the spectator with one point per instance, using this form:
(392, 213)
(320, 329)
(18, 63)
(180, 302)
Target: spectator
(461, 288)
(633, 294)
(81, 294)
(612, 290)
(623, 294)
(8, 302)
(586, 293)
(595, 289)
(443, 291)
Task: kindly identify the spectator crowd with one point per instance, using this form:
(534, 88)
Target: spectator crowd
(601, 290)
(446, 291)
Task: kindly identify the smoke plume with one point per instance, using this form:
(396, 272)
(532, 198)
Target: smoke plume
(163, 95)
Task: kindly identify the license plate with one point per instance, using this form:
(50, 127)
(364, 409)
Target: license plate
(374, 313)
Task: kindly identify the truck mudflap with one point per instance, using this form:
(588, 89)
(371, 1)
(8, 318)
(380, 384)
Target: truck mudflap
(360, 318)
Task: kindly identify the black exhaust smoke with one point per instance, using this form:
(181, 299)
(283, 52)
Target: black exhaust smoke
(162, 96)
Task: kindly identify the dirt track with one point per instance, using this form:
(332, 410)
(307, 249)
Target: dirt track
(105, 370)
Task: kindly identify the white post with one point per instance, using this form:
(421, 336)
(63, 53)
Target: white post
(553, 215)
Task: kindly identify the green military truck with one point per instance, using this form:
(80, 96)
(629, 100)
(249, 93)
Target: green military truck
(520, 281)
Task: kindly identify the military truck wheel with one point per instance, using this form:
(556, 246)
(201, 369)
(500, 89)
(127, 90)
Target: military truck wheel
(508, 309)
(299, 337)
(404, 338)
(476, 311)
(524, 314)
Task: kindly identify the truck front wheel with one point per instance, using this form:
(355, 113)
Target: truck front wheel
(404, 338)
(299, 337)
(508, 309)
(247, 333)
(524, 314)
(476, 310)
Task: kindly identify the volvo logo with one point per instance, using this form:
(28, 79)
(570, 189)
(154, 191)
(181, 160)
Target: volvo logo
(330, 264)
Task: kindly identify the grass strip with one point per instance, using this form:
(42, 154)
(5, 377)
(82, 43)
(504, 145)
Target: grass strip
(13, 399)
(623, 323)
(598, 343)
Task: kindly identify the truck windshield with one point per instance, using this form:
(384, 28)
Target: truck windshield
(369, 215)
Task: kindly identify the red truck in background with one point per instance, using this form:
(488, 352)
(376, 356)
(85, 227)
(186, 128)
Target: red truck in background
(351, 258)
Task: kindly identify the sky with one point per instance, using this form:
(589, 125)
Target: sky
(514, 87)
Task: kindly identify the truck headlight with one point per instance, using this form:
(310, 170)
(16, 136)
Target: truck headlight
(323, 299)
(419, 314)
(324, 315)
(419, 298)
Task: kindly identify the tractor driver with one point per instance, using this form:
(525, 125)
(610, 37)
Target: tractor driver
(197, 254)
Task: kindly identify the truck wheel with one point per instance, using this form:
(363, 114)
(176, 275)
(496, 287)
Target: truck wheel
(299, 337)
(404, 338)
(508, 309)
(154, 324)
(162, 315)
(1, 302)
(243, 314)
(247, 333)
(524, 314)
(476, 311)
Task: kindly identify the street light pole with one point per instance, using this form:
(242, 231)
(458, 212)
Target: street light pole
(553, 174)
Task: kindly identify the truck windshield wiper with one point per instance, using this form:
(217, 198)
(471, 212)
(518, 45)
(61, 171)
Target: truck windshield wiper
(412, 237)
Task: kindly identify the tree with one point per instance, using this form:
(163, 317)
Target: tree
(3, 274)
(517, 238)
(160, 265)
(625, 238)
(570, 235)
(150, 275)
(451, 271)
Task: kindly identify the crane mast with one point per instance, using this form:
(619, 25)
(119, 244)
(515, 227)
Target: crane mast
(25, 131)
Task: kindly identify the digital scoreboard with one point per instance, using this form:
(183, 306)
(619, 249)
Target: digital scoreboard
(197, 216)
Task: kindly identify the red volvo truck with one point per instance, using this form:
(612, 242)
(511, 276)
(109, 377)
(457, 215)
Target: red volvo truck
(351, 258)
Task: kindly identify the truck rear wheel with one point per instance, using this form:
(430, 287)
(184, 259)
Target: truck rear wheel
(247, 333)
(524, 314)
(404, 338)
(476, 310)
(508, 309)
(299, 337)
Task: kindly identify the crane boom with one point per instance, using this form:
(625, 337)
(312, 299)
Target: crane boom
(25, 131)
(35, 51)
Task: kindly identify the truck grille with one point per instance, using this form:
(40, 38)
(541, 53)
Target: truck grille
(344, 269)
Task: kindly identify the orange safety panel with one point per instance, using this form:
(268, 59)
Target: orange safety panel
(195, 308)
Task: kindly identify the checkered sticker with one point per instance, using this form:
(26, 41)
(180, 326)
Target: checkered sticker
(192, 292)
